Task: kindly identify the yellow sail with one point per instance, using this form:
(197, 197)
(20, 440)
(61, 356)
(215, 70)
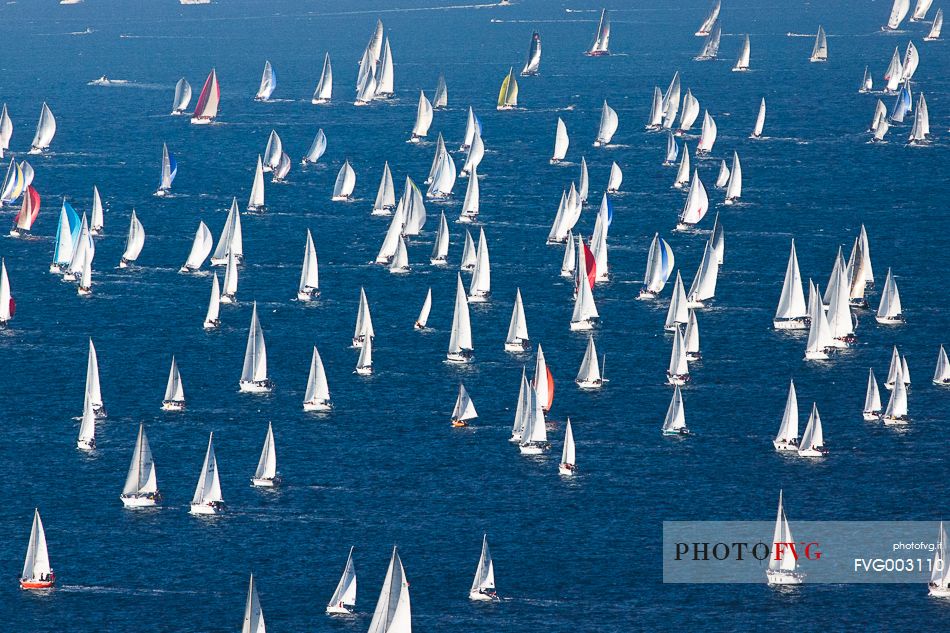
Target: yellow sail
(504, 90)
(508, 95)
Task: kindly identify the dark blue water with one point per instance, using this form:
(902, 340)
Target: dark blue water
(385, 468)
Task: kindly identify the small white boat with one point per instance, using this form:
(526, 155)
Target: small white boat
(400, 262)
(742, 63)
(206, 109)
(461, 349)
(343, 601)
(787, 438)
(393, 613)
(691, 338)
(718, 240)
(585, 310)
(896, 411)
(936, 27)
(942, 371)
(96, 220)
(820, 342)
(364, 322)
(598, 241)
(7, 304)
(29, 210)
(141, 484)
(229, 294)
(688, 113)
(568, 465)
(211, 317)
(254, 374)
(561, 142)
(169, 171)
(266, 475)
(134, 242)
(386, 194)
(867, 82)
(474, 155)
(723, 178)
(324, 90)
(678, 371)
(898, 12)
(655, 120)
(423, 317)
(443, 180)
(464, 409)
(472, 126)
(534, 440)
(282, 169)
(517, 428)
(440, 98)
(890, 312)
(898, 365)
(468, 253)
(872, 399)
(231, 239)
(819, 53)
(517, 340)
(660, 264)
(37, 572)
(682, 173)
(678, 312)
(543, 381)
(608, 126)
(589, 376)
(783, 566)
(384, 73)
(569, 260)
(84, 287)
(207, 499)
(939, 585)
(345, 183)
(920, 132)
(440, 247)
(759, 121)
(675, 421)
(696, 205)
(734, 186)
(812, 443)
(93, 392)
(174, 399)
(508, 94)
(87, 428)
(182, 97)
(703, 288)
(708, 134)
(920, 10)
(483, 586)
(268, 83)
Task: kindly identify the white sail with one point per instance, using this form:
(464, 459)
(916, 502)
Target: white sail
(200, 248)
(366, 80)
(723, 178)
(940, 567)
(934, 35)
(440, 248)
(820, 339)
(483, 585)
(678, 312)
(460, 341)
(710, 20)
(608, 125)
(423, 317)
(464, 407)
(920, 132)
(791, 305)
(890, 310)
(569, 260)
(135, 240)
(898, 12)
(602, 39)
(616, 177)
(660, 263)
(872, 398)
(400, 261)
(542, 381)
(364, 322)
(894, 73)
(5, 295)
(309, 283)
(508, 93)
(561, 142)
(896, 410)
(708, 136)
(472, 126)
(174, 392)
(440, 99)
(345, 183)
(272, 151)
(535, 435)
(6, 128)
(230, 280)
(206, 109)
(585, 311)
(517, 428)
(267, 464)
(533, 62)
(142, 478)
(682, 172)
(87, 428)
(813, 439)
(317, 395)
(256, 201)
(384, 72)
(317, 148)
(920, 10)
(208, 490)
(344, 597)
(45, 130)
(386, 194)
(231, 239)
(364, 364)
(703, 287)
(742, 63)
(437, 157)
(655, 121)
(819, 53)
(589, 373)
(942, 371)
(517, 338)
(324, 91)
(583, 181)
(423, 118)
(255, 355)
(468, 253)
(598, 240)
(734, 188)
(36, 566)
(782, 566)
(671, 101)
(253, 615)
(211, 317)
(718, 240)
(689, 112)
(472, 202)
(473, 158)
(268, 83)
(711, 46)
(443, 180)
(675, 421)
(414, 209)
(393, 611)
(787, 438)
(910, 62)
(480, 287)
(169, 171)
(759, 121)
(697, 204)
(93, 393)
(867, 82)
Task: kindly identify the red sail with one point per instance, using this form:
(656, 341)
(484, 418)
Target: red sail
(550, 389)
(591, 266)
(34, 203)
(12, 307)
(210, 84)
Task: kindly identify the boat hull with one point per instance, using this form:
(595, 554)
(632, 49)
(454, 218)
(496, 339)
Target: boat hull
(589, 384)
(205, 509)
(86, 445)
(138, 501)
(29, 583)
(938, 592)
(173, 405)
(582, 326)
(896, 421)
(318, 405)
(256, 386)
(676, 432)
(365, 371)
(210, 325)
(478, 596)
(518, 347)
(784, 446)
(894, 320)
(783, 578)
(566, 469)
(308, 294)
(83, 292)
(817, 355)
(198, 120)
(265, 482)
(459, 357)
(677, 379)
(800, 323)
(340, 198)
(339, 610)
(812, 452)
(478, 297)
(531, 449)
(871, 416)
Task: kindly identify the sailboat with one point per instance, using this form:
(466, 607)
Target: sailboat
(206, 110)
(483, 586)
(787, 438)
(255, 203)
(517, 340)
(517, 428)
(473, 157)
(782, 566)
(902, 104)
(942, 371)
(443, 180)
(608, 126)
(45, 130)
(231, 240)
(561, 142)
(678, 371)
(268, 83)
(272, 151)
(6, 129)
(711, 46)
(85, 280)
(508, 94)
(472, 126)
(718, 240)
(423, 119)
(936, 27)
(37, 573)
(791, 313)
(266, 474)
(920, 10)
(211, 317)
(182, 97)
(29, 209)
(479, 289)
(253, 614)
(660, 262)
(616, 177)
(317, 395)
(317, 148)
(93, 392)
(655, 120)
(543, 381)
(464, 408)
(675, 421)
(920, 132)
(671, 101)
(345, 183)
(898, 12)
(344, 597)
(87, 427)
(364, 363)
(254, 374)
(598, 240)
(759, 121)
(585, 310)
(691, 338)
(230, 281)
(134, 242)
(207, 498)
(672, 151)
(200, 249)
(723, 178)
(569, 261)
(889, 312)
(688, 114)
(707, 24)
(872, 399)
(678, 312)
(386, 194)
(812, 443)
(393, 613)
(867, 82)
(384, 73)
(896, 411)
(13, 183)
(7, 304)
(282, 169)
(169, 171)
(819, 53)
(734, 187)
(534, 440)
(532, 64)
(400, 261)
(820, 342)
(324, 91)
(174, 399)
(141, 484)
(440, 98)
(939, 585)
(84, 246)
(468, 253)
(568, 465)
(423, 317)
(589, 375)
(707, 137)
(894, 73)
(601, 44)
(440, 248)
(461, 349)
(898, 365)
(364, 322)
(309, 286)
(696, 206)
(366, 79)
(703, 288)
(742, 63)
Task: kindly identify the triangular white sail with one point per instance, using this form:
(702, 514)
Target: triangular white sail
(813, 439)
(791, 312)
(344, 596)
(423, 317)
(272, 151)
(533, 62)
(742, 63)
(483, 585)
(601, 43)
(464, 407)
(309, 285)
(253, 615)
(933, 36)
(787, 438)
(324, 91)
(364, 322)
(141, 483)
(696, 206)
(254, 374)
(45, 130)
(568, 463)
(174, 392)
(317, 148)
(440, 99)
(440, 248)
(703, 287)
(710, 20)
(480, 288)
(759, 121)
(393, 613)
(898, 12)
(423, 119)
(942, 371)
(561, 142)
(711, 46)
(608, 125)
(589, 376)
(182, 97)
(266, 473)
(345, 183)
(819, 53)
(386, 194)
(200, 249)
(207, 498)
(268, 83)
(872, 398)
(317, 395)
(660, 264)
(734, 187)
(678, 312)
(37, 572)
(134, 242)
(889, 311)
(256, 201)
(211, 317)
(460, 340)
(231, 239)
(675, 421)
(616, 177)
(206, 109)
(708, 135)
(517, 339)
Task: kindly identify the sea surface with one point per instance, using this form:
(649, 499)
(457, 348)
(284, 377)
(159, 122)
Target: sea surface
(385, 468)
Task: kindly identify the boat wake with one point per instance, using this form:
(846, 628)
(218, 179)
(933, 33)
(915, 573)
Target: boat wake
(88, 31)
(123, 590)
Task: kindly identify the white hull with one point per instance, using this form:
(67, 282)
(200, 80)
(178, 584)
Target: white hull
(811, 452)
(646, 295)
(531, 450)
(896, 320)
(161, 193)
(478, 297)
(901, 421)
(225, 298)
(252, 386)
(319, 101)
(203, 509)
(402, 270)
(210, 325)
(307, 295)
(783, 446)
(589, 384)
(459, 358)
(173, 405)
(518, 348)
(365, 371)
(187, 270)
(265, 482)
(439, 262)
(86, 445)
(55, 269)
(939, 592)
(871, 416)
(818, 355)
(783, 578)
(83, 292)
(481, 597)
(942, 383)
(677, 379)
(136, 501)
(340, 198)
(201, 121)
(566, 469)
(317, 405)
(582, 326)
(339, 611)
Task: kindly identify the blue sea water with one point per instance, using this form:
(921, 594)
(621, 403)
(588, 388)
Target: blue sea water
(384, 467)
